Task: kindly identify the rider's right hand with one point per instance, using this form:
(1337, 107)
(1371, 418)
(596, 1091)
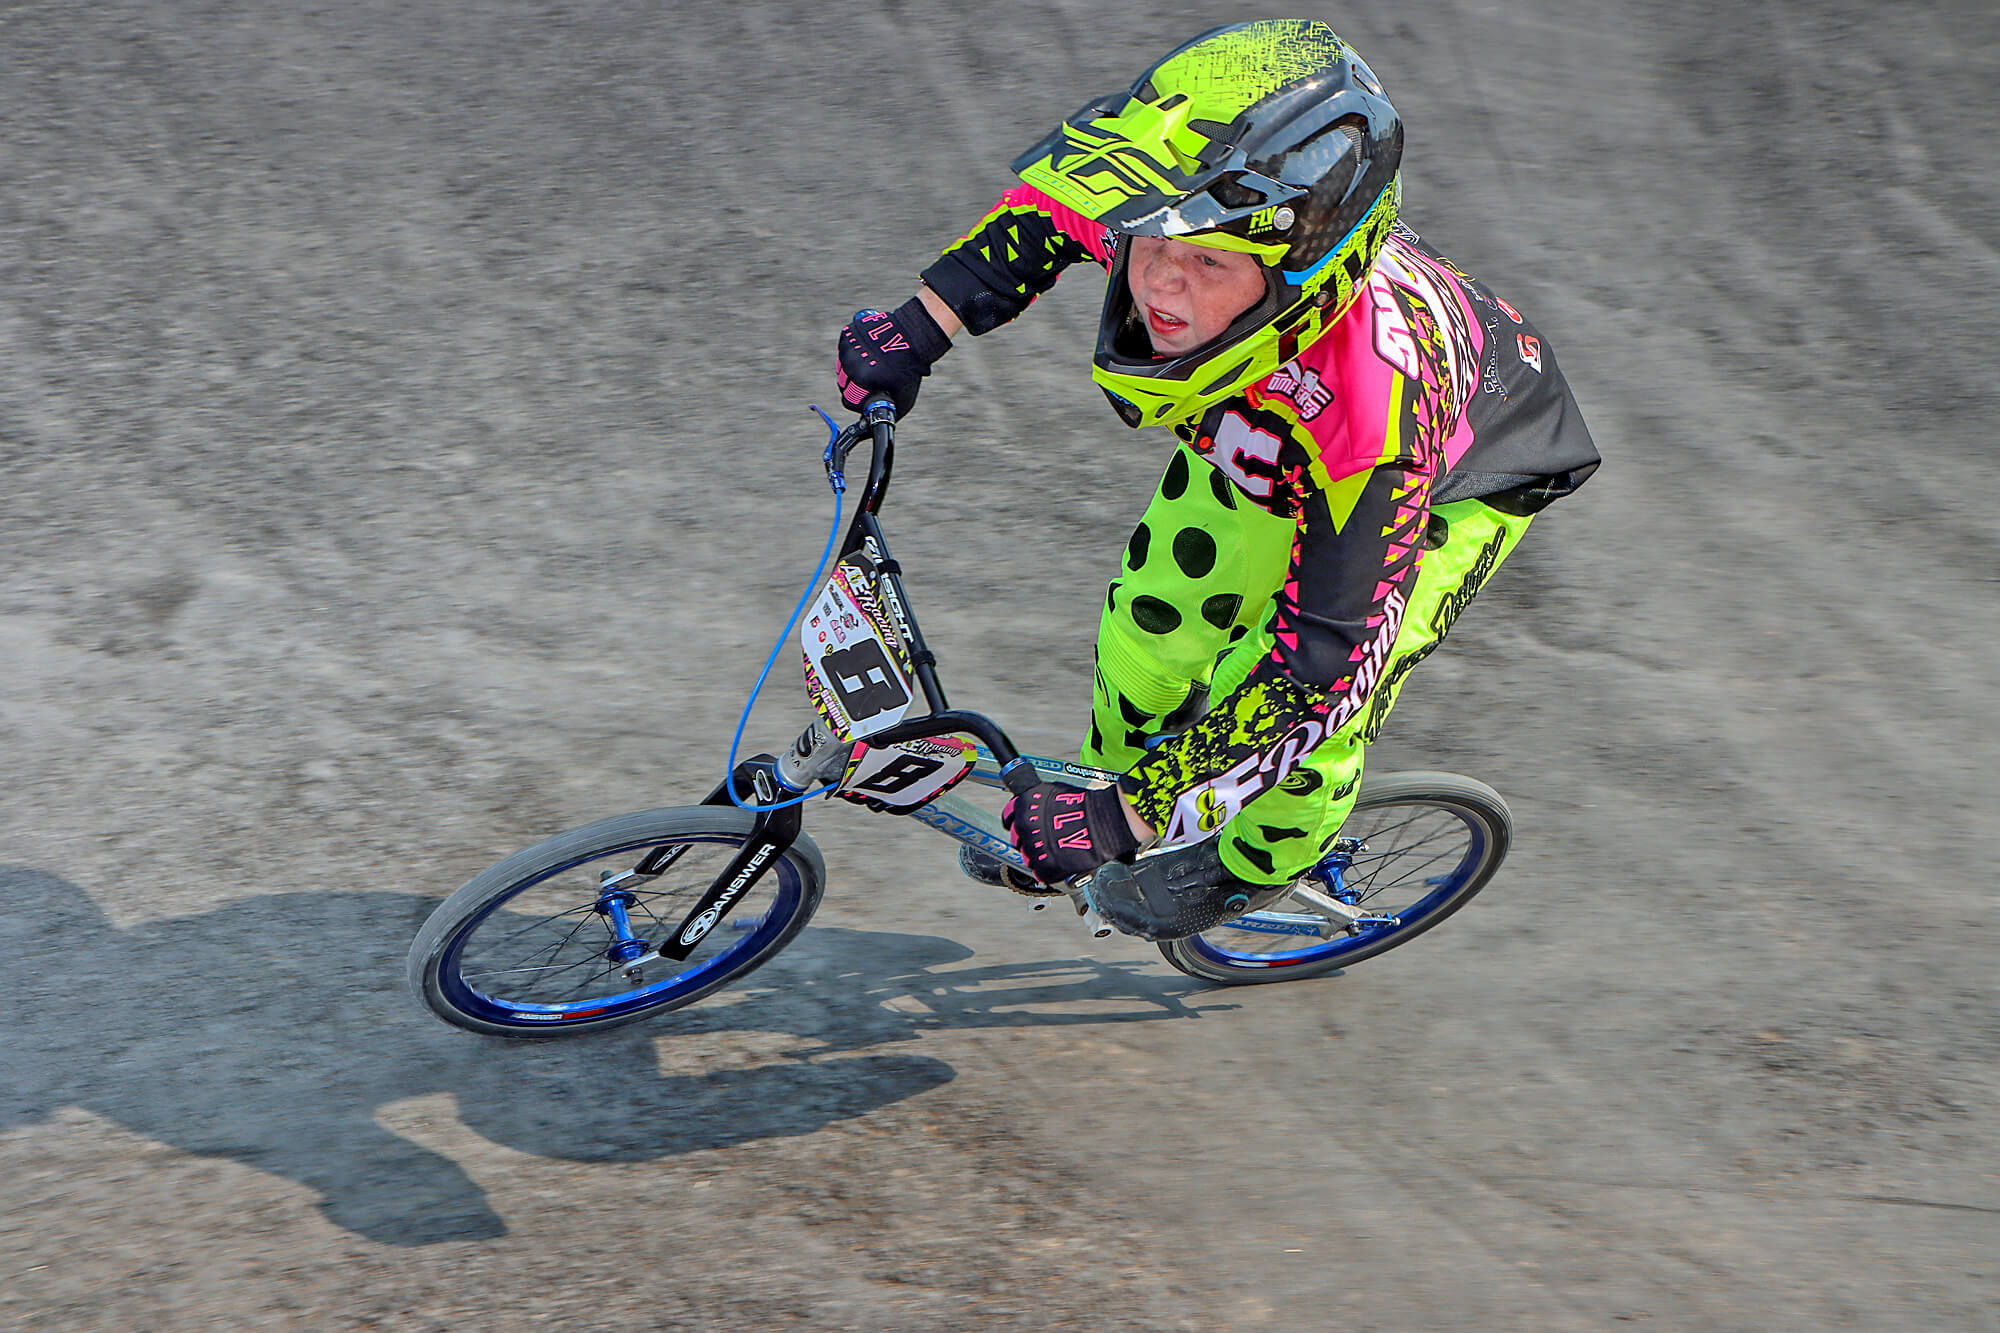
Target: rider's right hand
(888, 354)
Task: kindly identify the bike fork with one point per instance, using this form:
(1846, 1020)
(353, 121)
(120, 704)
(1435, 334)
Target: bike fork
(773, 832)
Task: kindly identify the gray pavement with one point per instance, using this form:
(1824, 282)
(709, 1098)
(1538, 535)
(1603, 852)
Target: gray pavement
(404, 456)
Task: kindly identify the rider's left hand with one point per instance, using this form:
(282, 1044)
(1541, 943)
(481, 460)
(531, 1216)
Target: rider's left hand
(1062, 830)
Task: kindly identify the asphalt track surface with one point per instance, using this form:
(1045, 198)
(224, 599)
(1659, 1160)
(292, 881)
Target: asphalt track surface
(402, 414)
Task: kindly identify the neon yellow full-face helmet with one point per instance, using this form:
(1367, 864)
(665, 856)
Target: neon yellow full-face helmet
(1269, 138)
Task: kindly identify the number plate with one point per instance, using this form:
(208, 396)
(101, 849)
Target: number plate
(899, 778)
(856, 669)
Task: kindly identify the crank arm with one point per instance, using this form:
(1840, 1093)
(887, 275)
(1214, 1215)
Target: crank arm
(1342, 915)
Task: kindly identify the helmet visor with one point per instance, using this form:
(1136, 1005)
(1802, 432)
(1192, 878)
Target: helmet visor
(1241, 202)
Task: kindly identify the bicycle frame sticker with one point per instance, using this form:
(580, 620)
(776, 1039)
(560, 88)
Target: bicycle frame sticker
(896, 779)
(857, 670)
(949, 824)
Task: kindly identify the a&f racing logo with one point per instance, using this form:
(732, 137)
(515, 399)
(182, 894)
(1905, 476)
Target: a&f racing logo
(691, 934)
(1200, 811)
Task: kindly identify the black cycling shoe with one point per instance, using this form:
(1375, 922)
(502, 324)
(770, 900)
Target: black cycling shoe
(1175, 894)
(992, 870)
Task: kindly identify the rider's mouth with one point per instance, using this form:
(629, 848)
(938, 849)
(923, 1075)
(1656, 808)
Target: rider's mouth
(1162, 324)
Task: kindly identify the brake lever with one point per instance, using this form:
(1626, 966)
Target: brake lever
(840, 442)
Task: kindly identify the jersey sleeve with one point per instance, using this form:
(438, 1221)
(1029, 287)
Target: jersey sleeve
(1015, 253)
(1333, 625)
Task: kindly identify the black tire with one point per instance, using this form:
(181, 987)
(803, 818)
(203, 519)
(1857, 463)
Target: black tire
(1438, 832)
(515, 950)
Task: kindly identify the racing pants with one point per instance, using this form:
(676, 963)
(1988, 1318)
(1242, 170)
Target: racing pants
(1167, 633)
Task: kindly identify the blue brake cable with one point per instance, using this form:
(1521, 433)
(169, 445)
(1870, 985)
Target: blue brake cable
(838, 480)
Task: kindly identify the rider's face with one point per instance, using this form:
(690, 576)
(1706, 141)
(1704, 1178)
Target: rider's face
(1187, 294)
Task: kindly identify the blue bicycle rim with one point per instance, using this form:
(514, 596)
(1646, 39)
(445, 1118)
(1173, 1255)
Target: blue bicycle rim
(784, 906)
(1443, 889)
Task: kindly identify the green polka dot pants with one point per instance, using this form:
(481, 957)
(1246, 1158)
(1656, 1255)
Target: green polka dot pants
(1188, 610)
(1196, 577)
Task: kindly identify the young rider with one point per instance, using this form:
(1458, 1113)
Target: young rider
(1365, 432)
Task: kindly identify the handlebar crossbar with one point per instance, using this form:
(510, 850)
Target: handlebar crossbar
(1016, 772)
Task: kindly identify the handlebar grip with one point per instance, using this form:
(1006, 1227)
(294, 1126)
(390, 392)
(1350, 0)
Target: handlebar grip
(1020, 776)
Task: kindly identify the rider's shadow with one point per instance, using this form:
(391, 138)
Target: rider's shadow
(270, 1032)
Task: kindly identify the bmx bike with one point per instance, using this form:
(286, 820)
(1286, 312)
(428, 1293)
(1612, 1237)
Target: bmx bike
(646, 912)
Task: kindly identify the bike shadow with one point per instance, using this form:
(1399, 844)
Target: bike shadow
(272, 1032)
(848, 989)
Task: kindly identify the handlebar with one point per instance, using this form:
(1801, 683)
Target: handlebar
(878, 426)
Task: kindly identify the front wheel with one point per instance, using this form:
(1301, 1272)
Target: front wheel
(542, 944)
(1415, 849)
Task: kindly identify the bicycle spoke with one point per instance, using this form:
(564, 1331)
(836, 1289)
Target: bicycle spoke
(576, 991)
(579, 917)
(1385, 832)
(1402, 849)
(551, 951)
(1369, 888)
(1365, 876)
(586, 911)
(514, 971)
(652, 916)
(551, 968)
(1446, 832)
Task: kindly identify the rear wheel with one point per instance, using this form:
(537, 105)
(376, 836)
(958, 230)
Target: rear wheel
(1415, 849)
(533, 947)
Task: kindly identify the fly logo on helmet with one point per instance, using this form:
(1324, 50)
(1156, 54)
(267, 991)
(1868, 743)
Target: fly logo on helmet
(1273, 219)
(1270, 139)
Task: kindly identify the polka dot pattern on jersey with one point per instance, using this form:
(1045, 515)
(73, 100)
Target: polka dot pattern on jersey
(1195, 564)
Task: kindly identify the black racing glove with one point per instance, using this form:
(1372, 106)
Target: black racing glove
(1063, 830)
(888, 354)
